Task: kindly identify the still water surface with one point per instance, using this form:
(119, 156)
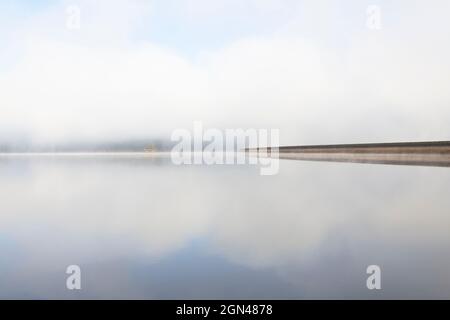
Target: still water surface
(141, 227)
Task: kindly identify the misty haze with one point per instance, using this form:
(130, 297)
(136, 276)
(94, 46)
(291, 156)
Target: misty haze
(92, 92)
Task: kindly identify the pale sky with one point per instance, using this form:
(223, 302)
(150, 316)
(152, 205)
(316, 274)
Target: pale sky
(313, 69)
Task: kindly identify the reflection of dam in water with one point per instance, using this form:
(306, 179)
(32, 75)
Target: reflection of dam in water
(435, 153)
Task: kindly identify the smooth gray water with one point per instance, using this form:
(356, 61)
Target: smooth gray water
(140, 227)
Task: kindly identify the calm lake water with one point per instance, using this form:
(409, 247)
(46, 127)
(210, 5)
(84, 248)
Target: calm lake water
(141, 227)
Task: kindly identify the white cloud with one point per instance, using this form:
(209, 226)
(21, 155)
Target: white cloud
(378, 86)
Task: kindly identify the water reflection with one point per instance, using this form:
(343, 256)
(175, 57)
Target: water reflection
(417, 159)
(140, 227)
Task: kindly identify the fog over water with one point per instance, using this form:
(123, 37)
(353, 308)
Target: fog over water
(140, 69)
(133, 71)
